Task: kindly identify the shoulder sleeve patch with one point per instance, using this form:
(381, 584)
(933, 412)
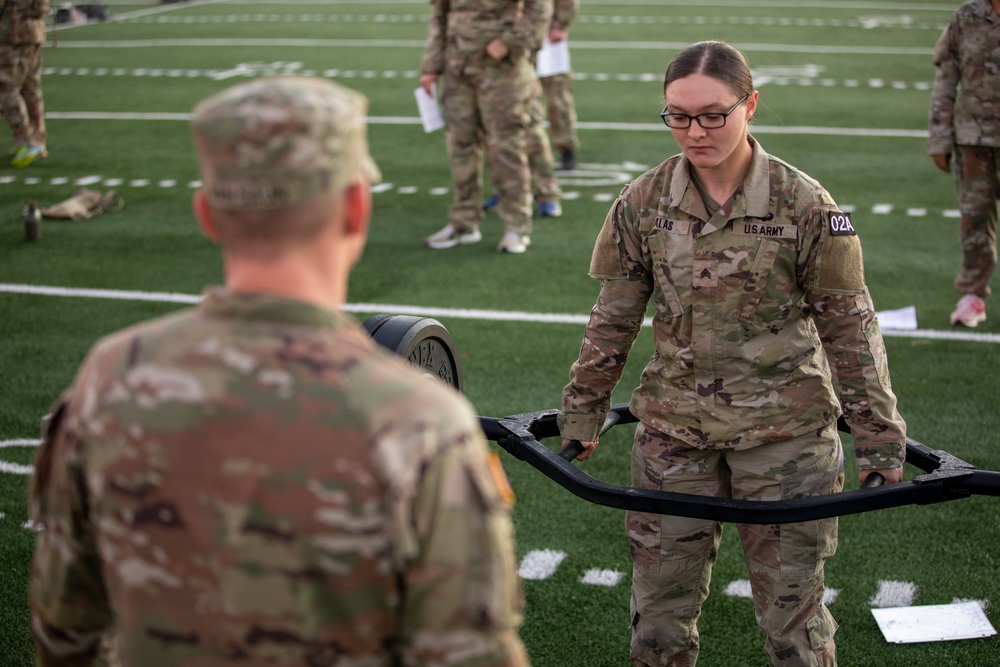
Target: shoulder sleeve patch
(839, 224)
(841, 266)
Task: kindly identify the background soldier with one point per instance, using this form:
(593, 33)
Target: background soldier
(965, 123)
(481, 51)
(22, 33)
(559, 90)
(254, 480)
(757, 283)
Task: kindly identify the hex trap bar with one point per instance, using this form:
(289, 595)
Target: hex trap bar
(945, 478)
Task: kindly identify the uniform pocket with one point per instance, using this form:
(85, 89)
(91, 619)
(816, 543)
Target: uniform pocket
(665, 273)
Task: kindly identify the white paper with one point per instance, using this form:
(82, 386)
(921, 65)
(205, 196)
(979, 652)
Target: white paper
(901, 319)
(933, 623)
(430, 112)
(552, 59)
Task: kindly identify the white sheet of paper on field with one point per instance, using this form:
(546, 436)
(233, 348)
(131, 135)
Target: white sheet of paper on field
(933, 623)
(430, 112)
(901, 319)
(552, 59)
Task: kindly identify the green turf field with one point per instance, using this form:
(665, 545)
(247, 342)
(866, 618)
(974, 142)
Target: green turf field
(844, 94)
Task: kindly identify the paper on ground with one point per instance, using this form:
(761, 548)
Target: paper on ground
(430, 112)
(933, 623)
(552, 59)
(901, 319)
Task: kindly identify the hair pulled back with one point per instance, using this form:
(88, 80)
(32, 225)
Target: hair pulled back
(718, 60)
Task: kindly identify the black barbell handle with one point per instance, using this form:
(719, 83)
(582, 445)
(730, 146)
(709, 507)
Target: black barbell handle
(572, 450)
(873, 480)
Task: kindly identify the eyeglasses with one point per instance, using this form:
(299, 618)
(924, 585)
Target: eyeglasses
(710, 121)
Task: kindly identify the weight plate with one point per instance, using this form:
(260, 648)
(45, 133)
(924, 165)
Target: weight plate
(423, 341)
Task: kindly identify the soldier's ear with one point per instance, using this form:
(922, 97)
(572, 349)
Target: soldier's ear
(357, 208)
(203, 213)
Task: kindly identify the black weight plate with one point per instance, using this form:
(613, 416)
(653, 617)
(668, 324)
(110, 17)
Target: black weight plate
(423, 341)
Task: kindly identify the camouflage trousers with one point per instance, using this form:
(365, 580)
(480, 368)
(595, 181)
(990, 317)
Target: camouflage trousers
(486, 110)
(544, 182)
(673, 556)
(562, 111)
(21, 93)
(977, 184)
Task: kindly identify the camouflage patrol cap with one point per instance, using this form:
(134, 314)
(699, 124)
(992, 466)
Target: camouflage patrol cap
(273, 142)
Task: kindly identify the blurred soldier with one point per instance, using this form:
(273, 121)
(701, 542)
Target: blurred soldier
(254, 480)
(559, 92)
(965, 125)
(481, 51)
(22, 33)
(544, 182)
(562, 125)
(764, 333)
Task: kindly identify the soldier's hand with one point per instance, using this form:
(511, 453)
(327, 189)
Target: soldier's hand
(891, 475)
(943, 162)
(428, 82)
(556, 36)
(588, 448)
(497, 49)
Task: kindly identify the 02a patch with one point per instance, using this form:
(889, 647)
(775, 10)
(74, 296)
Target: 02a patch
(840, 224)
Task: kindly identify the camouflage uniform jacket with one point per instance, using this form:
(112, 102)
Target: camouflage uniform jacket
(459, 31)
(23, 22)
(965, 102)
(761, 316)
(564, 13)
(255, 481)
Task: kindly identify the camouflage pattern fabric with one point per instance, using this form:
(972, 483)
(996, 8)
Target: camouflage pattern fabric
(558, 88)
(22, 32)
(965, 122)
(277, 141)
(673, 556)
(544, 182)
(965, 100)
(977, 181)
(764, 332)
(254, 481)
(561, 111)
(763, 327)
(485, 103)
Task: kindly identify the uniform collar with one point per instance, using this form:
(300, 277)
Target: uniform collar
(753, 199)
(220, 302)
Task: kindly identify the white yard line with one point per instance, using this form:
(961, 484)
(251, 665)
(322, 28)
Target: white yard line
(428, 311)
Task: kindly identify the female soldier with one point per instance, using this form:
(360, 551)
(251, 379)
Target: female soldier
(764, 333)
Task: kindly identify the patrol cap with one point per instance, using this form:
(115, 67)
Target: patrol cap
(277, 141)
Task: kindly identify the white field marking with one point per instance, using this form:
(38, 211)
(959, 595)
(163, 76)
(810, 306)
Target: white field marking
(916, 212)
(868, 23)
(894, 594)
(830, 596)
(251, 70)
(739, 588)
(626, 127)
(777, 4)
(659, 47)
(431, 311)
(882, 209)
(20, 442)
(598, 577)
(953, 213)
(17, 468)
(540, 564)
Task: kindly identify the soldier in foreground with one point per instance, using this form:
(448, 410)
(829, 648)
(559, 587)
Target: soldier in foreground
(764, 333)
(22, 33)
(254, 480)
(964, 129)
